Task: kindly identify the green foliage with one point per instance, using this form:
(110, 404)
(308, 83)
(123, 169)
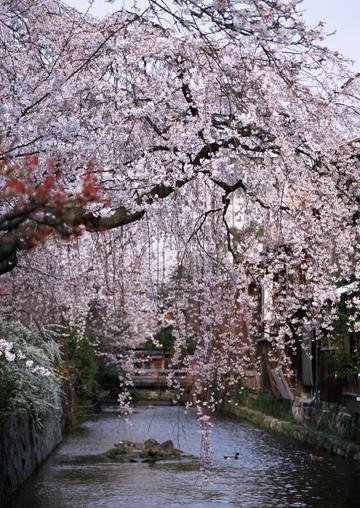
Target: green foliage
(344, 362)
(87, 367)
(31, 371)
(108, 378)
(265, 403)
(147, 455)
(30, 380)
(345, 352)
(81, 363)
(116, 453)
(164, 337)
(137, 395)
(8, 387)
(88, 378)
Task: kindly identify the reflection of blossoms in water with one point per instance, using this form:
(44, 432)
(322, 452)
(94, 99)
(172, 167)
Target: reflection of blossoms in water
(205, 446)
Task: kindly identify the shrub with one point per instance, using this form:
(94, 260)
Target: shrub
(28, 375)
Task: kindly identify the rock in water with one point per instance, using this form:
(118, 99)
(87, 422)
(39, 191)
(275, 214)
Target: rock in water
(167, 446)
(151, 443)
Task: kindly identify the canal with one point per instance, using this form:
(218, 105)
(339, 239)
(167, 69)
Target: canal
(271, 471)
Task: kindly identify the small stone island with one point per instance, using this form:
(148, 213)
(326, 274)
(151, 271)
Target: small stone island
(148, 451)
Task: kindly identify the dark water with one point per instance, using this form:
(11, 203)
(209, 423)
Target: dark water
(271, 472)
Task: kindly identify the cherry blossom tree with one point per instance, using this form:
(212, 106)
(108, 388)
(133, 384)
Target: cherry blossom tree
(226, 133)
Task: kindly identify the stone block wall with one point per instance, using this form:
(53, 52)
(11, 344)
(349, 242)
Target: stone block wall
(329, 417)
(25, 443)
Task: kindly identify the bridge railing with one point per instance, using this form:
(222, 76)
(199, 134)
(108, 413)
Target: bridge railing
(161, 372)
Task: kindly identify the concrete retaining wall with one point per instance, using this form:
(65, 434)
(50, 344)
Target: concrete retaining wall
(24, 444)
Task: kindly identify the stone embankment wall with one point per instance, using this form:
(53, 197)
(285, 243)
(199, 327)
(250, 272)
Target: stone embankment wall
(24, 444)
(318, 439)
(331, 418)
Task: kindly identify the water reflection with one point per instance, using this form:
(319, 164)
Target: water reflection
(271, 472)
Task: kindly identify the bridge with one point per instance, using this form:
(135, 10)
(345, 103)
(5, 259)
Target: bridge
(158, 378)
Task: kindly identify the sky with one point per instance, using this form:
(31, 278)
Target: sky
(342, 16)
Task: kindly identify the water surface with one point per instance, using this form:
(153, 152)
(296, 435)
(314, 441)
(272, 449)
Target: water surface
(271, 471)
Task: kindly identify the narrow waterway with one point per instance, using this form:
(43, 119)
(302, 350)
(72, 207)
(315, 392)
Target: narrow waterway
(270, 472)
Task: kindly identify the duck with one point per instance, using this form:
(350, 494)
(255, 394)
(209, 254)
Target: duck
(316, 458)
(232, 457)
